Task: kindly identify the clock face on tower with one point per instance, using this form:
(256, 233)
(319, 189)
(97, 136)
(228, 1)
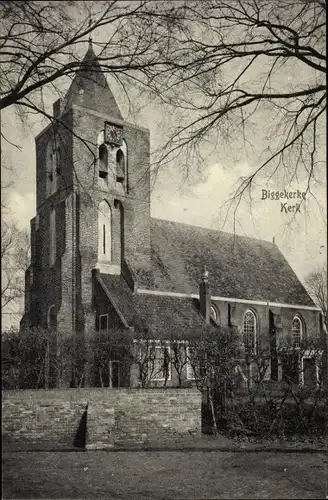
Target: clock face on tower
(113, 134)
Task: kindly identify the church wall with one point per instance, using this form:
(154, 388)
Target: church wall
(67, 270)
(138, 209)
(41, 169)
(310, 321)
(66, 178)
(283, 319)
(237, 312)
(51, 282)
(48, 280)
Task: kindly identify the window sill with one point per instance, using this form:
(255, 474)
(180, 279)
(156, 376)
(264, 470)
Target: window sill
(160, 379)
(106, 267)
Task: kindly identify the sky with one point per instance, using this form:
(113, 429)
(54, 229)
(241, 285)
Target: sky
(199, 201)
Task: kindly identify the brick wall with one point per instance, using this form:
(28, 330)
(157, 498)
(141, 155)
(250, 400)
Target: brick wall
(121, 417)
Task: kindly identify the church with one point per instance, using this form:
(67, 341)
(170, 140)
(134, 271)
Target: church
(100, 261)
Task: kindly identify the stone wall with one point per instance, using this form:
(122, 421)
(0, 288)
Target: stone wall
(115, 417)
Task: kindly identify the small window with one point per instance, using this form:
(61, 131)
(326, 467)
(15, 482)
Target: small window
(103, 161)
(120, 167)
(103, 322)
(249, 331)
(297, 332)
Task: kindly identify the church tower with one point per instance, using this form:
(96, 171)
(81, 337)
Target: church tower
(93, 203)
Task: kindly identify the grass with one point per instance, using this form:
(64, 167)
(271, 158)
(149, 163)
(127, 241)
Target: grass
(164, 475)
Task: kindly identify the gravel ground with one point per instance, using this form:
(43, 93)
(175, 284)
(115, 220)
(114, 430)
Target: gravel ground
(164, 475)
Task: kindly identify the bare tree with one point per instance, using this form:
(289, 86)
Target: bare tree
(218, 67)
(179, 356)
(144, 358)
(152, 358)
(15, 256)
(213, 359)
(108, 347)
(25, 360)
(317, 284)
(42, 44)
(247, 73)
(293, 404)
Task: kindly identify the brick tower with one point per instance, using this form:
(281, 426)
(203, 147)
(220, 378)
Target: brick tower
(93, 203)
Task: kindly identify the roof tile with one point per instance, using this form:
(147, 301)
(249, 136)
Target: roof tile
(161, 317)
(239, 266)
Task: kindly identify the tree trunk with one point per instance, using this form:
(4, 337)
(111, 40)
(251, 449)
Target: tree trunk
(215, 427)
(47, 367)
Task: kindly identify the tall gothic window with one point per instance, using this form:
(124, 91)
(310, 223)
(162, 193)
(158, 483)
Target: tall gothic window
(52, 238)
(297, 332)
(249, 330)
(51, 168)
(121, 165)
(104, 231)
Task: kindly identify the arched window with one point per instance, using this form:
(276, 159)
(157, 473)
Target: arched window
(103, 161)
(104, 231)
(52, 238)
(249, 330)
(52, 318)
(214, 314)
(120, 166)
(297, 332)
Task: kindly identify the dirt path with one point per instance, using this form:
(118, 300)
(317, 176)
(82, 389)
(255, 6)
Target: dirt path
(164, 475)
